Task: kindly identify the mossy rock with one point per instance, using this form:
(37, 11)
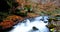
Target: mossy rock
(51, 26)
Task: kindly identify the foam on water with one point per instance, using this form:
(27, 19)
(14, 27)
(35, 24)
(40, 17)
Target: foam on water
(27, 26)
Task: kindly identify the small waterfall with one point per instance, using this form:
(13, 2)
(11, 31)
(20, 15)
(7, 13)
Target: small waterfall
(37, 25)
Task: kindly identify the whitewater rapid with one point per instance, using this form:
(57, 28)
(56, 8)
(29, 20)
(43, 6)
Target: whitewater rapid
(39, 23)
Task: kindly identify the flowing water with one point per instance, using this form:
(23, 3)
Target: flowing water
(37, 24)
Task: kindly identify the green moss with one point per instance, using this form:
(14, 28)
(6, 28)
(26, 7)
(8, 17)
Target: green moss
(52, 30)
(49, 20)
(18, 12)
(51, 26)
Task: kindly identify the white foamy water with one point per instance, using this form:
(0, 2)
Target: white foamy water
(28, 25)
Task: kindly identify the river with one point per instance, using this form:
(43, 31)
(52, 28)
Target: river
(37, 24)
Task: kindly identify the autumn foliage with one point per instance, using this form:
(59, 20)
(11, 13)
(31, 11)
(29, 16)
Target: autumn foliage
(24, 6)
(10, 21)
